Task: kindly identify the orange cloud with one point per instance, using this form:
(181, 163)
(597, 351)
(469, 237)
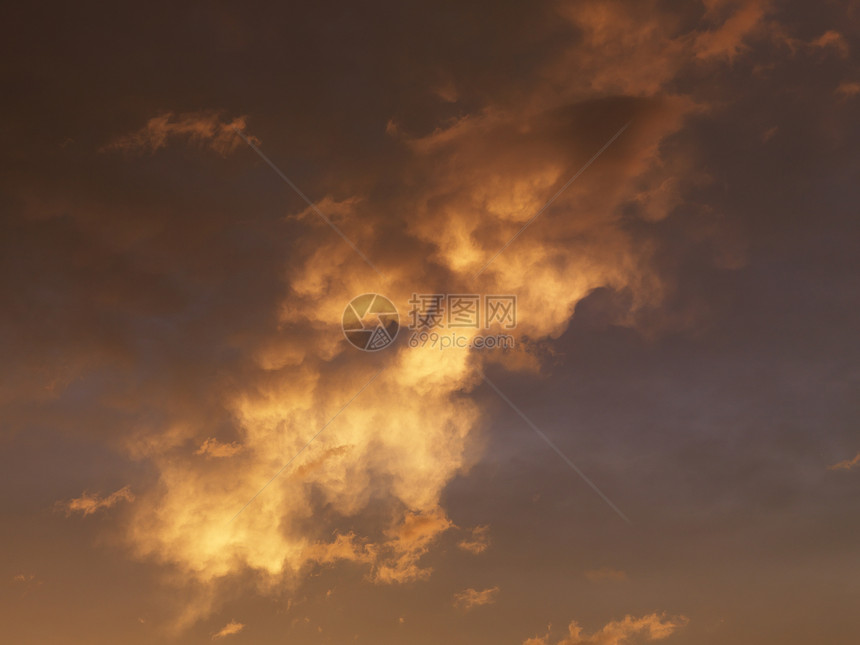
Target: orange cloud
(848, 89)
(408, 543)
(614, 35)
(87, 504)
(471, 598)
(393, 560)
(29, 581)
(198, 128)
(403, 439)
(727, 40)
(478, 541)
(214, 448)
(848, 464)
(229, 629)
(832, 39)
(344, 547)
(618, 632)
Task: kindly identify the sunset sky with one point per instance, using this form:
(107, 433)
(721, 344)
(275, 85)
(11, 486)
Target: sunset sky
(192, 450)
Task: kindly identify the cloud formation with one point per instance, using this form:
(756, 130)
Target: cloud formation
(23, 577)
(848, 89)
(369, 489)
(172, 313)
(393, 559)
(88, 503)
(231, 628)
(834, 39)
(28, 581)
(477, 541)
(214, 448)
(727, 39)
(652, 627)
(847, 464)
(205, 129)
(471, 598)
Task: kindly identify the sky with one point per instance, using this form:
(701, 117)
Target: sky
(661, 447)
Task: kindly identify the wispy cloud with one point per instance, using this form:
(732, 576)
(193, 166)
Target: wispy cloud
(395, 559)
(207, 129)
(478, 541)
(26, 581)
(847, 464)
(847, 89)
(727, 41)
(408, 543)
(233, 627)
(832, 39)
(470, 598)
(652, 627)
(87, 503)
(23, 577)
(214, 448)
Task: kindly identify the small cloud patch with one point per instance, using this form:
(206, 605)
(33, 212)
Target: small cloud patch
(231, 628)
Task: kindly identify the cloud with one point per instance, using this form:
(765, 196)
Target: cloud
(214, 448)
(346, 547)
(727, 40)
(407, 544)
(29, 581)
(229, 629)
(87, 503)
(470, 598)
(848, 464)
(369, 489)
(848, 89)
(183, 355)
(395, 559)
(652, 627)
(478, 541)
(481, 180)
(206, 129)
(832, 39)
(605, 573)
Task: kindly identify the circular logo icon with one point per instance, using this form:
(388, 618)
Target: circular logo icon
(370, 322)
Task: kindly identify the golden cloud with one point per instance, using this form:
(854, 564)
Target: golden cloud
(478, 541)
(229, 629)
(88, 503)
(619, 632)
(198, 128)
(471, 598)
(214, 448)
(401, 439)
